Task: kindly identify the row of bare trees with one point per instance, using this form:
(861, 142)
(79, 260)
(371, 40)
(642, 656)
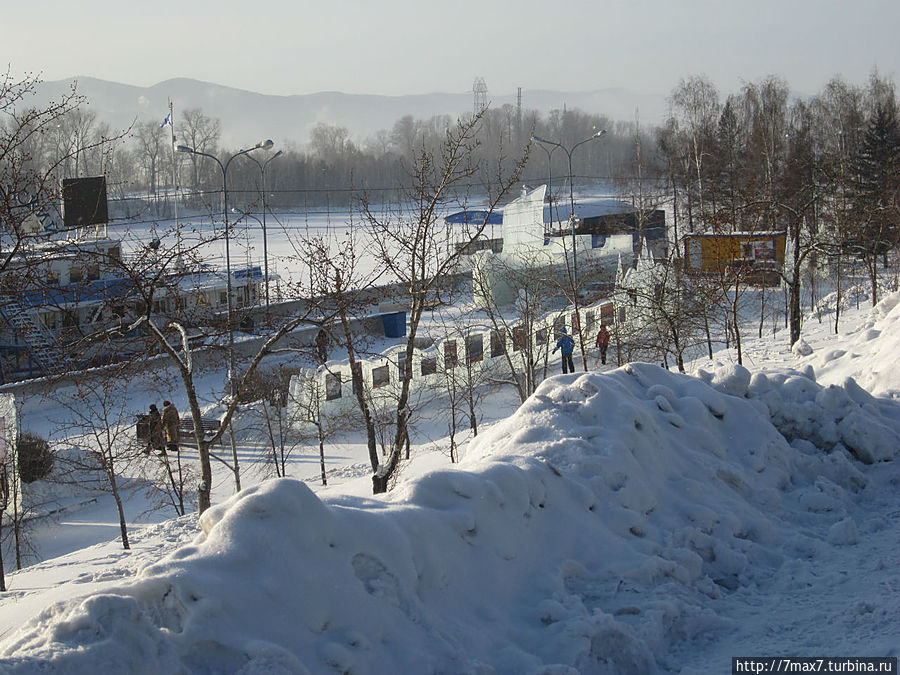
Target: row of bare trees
(824, 169)
(410, 243)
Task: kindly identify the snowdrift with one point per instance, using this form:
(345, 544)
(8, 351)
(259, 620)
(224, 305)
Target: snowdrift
(868, 354)
(596, 529)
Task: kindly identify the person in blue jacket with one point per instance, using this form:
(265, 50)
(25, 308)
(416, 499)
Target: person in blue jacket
(566, 345)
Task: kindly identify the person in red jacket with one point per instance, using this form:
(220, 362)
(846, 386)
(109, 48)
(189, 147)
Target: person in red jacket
(603, 342)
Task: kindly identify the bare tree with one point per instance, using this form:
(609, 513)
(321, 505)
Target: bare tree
(345, 290)
(158, 271)
(513, 319)
(202, 134)
(275, 414)
(98, 422)
(414, 245)
(309, 423)
(662, 306)
(148, 151)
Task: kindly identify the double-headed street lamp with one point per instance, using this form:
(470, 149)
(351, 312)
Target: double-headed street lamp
(571, 192)
(265, 145)
(262, 225)
(549, 152)
(262, 169)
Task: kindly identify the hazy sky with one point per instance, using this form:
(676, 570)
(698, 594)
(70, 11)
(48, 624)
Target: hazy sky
(409, 47)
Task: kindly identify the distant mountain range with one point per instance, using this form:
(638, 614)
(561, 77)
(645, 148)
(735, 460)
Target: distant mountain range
(247, 117)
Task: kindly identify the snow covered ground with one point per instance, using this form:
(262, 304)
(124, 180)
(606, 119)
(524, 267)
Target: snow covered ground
(628, 520)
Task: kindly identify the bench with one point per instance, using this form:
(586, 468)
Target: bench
(186, 427)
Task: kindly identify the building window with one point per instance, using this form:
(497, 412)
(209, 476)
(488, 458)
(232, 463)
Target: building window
(608, 313)
(519, 338)
(381, 376)
(474, 348)
(429, 366)
(92, 272)
(451, 358)
(75, 274)
(332, 386)
(498, 344)
(49, 319)
(70, 318)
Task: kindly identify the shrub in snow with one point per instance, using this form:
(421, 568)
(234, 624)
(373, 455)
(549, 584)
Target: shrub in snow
(35, 458)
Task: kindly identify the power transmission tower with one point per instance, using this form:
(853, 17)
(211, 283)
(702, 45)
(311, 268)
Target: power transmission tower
(519, 116)
(479, 89)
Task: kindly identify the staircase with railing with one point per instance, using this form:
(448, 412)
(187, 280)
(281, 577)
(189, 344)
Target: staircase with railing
(40, 343)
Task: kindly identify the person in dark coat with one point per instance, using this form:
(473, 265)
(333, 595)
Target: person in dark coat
(566, 345)
(170, 425)
(156, 437)
(322, 345)
(603, 342)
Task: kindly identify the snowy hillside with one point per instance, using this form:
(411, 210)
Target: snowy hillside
(868, 352)
(627, 521)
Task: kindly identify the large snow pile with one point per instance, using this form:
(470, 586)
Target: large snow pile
(602, 528)
(869, 354)
(814, 416)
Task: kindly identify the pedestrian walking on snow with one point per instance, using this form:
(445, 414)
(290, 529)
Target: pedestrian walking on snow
(566, 345)
(170, 425)
(322, 345)
(156, 436)
(603, 342)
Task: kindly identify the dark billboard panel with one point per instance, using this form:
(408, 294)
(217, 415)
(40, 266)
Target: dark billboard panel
(84, 201)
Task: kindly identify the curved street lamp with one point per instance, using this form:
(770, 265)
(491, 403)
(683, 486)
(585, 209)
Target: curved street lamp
(262, 170)
(549, 178)
(571, 192)
(265, 145)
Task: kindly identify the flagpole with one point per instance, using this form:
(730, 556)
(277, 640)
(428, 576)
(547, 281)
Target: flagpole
(175, 184)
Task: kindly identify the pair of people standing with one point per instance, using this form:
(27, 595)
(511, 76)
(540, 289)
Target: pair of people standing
(163, 428)
(566, 345)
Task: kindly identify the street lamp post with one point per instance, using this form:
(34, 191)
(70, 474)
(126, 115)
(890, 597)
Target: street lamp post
(224, 168)
(549, 178)
(571, 193)
(262, 226)
(262, 170)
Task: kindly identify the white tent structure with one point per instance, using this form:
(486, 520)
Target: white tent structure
(527, 246)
